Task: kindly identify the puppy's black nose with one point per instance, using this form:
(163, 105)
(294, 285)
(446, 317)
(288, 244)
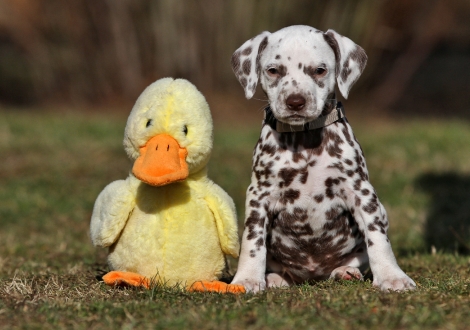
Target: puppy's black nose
(295, 102)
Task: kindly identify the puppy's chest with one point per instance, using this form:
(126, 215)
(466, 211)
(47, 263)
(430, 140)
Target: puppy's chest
(291, 180)
(288, 174)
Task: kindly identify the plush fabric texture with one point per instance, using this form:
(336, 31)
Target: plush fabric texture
(180, 231)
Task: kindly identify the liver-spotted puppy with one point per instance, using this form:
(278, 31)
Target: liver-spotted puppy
(311, 212)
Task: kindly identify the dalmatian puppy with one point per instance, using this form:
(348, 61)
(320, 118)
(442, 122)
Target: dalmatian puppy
(311, 212)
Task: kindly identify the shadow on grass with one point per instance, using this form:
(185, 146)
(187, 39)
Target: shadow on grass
(447, 226)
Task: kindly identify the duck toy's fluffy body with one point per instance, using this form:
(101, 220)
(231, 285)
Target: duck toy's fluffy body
(167, 222)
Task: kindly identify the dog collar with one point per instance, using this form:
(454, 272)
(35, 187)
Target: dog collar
(320, 122)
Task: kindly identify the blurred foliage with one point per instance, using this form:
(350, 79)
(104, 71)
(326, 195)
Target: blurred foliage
(89, 51)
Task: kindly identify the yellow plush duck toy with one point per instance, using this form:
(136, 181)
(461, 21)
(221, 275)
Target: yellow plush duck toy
(167, 221)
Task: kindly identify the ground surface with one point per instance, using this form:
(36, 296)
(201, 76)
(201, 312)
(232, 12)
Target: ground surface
(53, 165)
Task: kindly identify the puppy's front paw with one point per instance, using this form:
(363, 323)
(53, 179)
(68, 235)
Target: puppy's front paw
(252, 285)
(395, 283)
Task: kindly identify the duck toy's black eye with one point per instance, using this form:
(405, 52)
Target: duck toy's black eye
(149, 122)
(185, 130)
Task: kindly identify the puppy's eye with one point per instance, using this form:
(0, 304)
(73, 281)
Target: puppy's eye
(149, 122)
(320, 71)
(185, 130)
(272, 71)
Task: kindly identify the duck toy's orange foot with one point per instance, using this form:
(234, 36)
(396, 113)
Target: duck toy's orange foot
(126, 279)
(216, 286)
(129, 279)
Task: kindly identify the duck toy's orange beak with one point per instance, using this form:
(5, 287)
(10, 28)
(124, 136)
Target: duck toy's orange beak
(161, 161)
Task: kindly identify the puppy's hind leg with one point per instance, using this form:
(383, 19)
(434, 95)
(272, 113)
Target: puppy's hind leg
(346, 273)
(275, 280)
(359, 261)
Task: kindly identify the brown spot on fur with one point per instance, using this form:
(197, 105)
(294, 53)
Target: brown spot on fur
(333, 148)
(357, 201)
(287, 175)
(318, 198)
(332, 213)
(347, 137)
(253, 221)
(311, 72)
(263, 195)
(338, 166)
(281, 72)
(329, 183)
(298, 215)
(333, 43)
(372, 206)
(243, 82)
(261, 48)
(268, 149)
(247, 51)
(246, 66)
(254, 203)
(357, 184)
(359, 56)
(297, 156)
(290, 196)
(371, 227)
(303, 176)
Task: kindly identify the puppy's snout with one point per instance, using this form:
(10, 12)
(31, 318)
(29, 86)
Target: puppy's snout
(295, 102)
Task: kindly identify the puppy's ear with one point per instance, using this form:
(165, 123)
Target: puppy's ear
(351, 60)
(245, 62)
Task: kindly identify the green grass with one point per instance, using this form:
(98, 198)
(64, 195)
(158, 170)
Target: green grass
(54, 165)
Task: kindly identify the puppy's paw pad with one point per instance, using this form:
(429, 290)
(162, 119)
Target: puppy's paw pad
(346, 273)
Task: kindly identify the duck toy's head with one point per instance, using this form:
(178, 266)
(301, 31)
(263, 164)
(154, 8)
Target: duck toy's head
(169, 132)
